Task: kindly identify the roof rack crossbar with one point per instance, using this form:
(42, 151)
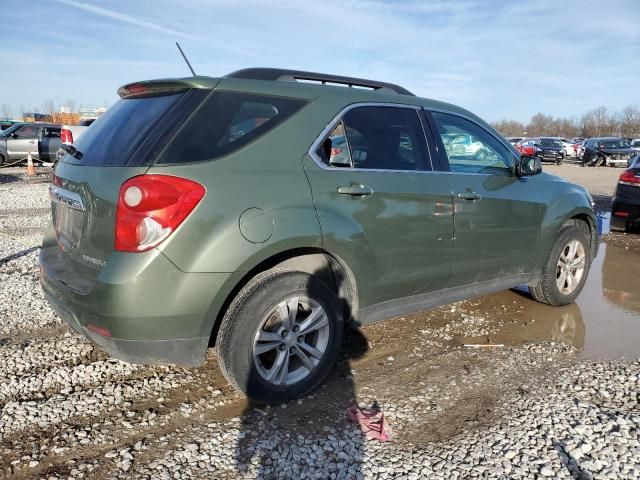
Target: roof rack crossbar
(280, 74)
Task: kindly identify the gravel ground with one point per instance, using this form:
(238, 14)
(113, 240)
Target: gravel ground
(531, 411)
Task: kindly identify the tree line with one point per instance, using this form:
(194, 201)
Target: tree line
(594, 123)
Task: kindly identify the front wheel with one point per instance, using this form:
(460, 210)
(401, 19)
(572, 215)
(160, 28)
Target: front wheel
(280, 336)
(566, 270)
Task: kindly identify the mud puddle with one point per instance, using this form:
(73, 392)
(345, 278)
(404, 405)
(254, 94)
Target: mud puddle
(604, 323)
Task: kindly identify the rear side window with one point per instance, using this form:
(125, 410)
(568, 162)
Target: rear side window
(377, 138)
(114, 138)
(226, 122)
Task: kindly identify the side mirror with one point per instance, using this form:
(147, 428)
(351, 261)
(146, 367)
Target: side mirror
(14, 135)
(528, 166)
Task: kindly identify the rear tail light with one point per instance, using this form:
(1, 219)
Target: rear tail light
(629, 177)
(335, 151)
(151, 207)
(66, 136)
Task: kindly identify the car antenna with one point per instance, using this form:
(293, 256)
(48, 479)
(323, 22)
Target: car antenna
(185, 59)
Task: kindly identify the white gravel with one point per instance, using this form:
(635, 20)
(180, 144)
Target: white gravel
(67, 411)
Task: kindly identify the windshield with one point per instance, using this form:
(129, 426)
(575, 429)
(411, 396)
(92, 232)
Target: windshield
(636, 143)
(550, 142)
(10, 130)
(617, 143)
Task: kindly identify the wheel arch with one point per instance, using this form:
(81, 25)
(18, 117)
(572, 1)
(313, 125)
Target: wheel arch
(332, 269)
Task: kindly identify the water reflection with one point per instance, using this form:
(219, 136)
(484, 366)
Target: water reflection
(603, 323)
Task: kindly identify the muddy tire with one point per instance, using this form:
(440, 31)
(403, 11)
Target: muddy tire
(565, 272)
(280, 336)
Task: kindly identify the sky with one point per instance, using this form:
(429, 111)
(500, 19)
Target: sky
(499, 59)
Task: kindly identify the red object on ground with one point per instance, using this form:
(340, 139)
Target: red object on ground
(371, 422)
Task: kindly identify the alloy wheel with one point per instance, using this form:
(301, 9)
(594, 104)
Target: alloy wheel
(291, 341)
(571, 265)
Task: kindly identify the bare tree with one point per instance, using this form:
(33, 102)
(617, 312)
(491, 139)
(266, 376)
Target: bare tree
(71, 105)
(6, 111)
(630, 122)
(49, 108)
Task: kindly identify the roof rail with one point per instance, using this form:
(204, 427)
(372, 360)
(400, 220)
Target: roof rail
(281, 74)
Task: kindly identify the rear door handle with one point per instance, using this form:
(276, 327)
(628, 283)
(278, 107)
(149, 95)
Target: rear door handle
(473, 196)
(357, 190)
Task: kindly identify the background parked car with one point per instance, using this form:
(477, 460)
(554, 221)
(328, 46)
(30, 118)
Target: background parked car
(626, 201)
(514, 140)
(42, 140)
(550, 149)
(607, 151)
(635, 144)
(527, 147)
(578, 147)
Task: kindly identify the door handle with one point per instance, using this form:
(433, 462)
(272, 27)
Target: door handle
(357, 190)
(32, 141)
(473, 196)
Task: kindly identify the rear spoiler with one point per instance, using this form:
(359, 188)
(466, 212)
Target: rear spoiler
(152, 88)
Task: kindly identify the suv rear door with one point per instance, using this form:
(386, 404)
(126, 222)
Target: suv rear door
(385, 212)
(497, 214)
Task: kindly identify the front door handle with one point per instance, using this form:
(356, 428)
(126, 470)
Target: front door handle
(357, 190)
(473, 196)
(32, 141)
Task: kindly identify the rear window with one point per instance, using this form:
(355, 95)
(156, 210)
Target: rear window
(114, 138)
(226, 122)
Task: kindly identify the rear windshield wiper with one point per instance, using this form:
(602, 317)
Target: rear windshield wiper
(73, 151)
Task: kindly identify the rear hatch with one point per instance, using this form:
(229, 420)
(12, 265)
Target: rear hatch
(121, 144)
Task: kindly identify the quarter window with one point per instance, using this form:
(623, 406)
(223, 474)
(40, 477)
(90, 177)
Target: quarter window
(470, 148)
(226, 122)
(376, 138)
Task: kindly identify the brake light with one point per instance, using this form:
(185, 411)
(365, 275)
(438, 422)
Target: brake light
(335, 151)
(136, 88)
(629, 177)
(66, 136)
(151, 207)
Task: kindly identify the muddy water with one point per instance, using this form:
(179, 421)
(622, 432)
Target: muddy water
(604, 323)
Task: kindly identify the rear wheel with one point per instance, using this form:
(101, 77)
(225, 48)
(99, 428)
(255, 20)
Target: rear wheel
(1, 160)
(280, 336)
(566, 270)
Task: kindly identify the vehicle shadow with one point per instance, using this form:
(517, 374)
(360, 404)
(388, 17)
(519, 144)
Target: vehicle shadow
(309, 436)
(8, 178)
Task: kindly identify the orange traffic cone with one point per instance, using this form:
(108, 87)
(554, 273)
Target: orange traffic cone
(30, 168)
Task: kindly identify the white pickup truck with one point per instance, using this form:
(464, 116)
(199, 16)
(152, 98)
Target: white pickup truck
(70, 134)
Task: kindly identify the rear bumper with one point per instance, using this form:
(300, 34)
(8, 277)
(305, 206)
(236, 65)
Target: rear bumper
(183, 351)
(623, 214)
(141, 308)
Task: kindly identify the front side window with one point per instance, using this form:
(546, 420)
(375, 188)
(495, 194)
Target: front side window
(376, 138)
(27, 131)
(470, 148)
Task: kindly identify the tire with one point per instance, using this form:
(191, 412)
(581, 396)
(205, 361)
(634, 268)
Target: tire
(2, 160)
(599, 161)
(257, 307)
(546, 290)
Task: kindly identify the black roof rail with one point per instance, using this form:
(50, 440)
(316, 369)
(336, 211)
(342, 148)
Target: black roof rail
(281, 74)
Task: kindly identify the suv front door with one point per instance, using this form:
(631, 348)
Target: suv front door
(497, 215)
(23, 141)
(381, 207)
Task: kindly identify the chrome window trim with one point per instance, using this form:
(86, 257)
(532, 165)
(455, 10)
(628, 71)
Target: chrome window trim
(65, 197)
(334, 122)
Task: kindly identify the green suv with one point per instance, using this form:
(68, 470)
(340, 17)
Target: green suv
(263, 210)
